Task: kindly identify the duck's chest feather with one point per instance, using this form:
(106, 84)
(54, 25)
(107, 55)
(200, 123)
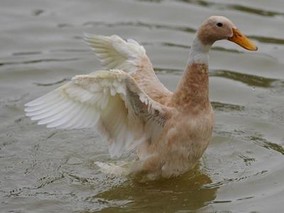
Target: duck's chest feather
(189, 130)
(184, 141)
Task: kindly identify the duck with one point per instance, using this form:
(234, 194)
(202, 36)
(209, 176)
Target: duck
(168, 131)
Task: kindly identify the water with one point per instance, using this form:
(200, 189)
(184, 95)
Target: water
(46, 170)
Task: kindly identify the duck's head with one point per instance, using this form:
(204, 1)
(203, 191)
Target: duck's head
(218, 28)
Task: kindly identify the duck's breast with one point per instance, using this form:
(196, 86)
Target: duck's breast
(185, 140)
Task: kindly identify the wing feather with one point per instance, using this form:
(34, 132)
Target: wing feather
(129, 56)
(110, 100)
(116, 53)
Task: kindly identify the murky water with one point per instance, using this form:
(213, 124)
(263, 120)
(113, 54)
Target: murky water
(46, 170)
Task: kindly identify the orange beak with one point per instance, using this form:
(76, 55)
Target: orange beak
(240, 39)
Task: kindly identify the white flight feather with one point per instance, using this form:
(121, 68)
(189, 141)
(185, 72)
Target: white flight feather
(114, 52)
(106, 99)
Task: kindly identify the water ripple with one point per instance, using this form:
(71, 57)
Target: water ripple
(242, 8)
(251, 80)
(225, 107)
(268, 40)
(52, 83)
(141, 24)
(37, 61)
(267, 144)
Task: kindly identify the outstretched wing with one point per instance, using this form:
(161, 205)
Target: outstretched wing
(110, 100)
(129, 56)
(116, 53)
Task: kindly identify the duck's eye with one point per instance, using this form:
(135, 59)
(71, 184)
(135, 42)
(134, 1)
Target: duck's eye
(219, 24)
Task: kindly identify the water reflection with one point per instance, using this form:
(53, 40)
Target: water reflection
(187, 192)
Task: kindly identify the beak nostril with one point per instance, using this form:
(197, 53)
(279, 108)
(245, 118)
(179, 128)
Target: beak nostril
(242, 40)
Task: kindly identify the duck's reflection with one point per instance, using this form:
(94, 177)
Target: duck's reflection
(186, 192)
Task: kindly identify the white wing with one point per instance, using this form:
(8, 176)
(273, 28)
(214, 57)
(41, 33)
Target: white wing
(116, 53)
(129, 56)
(110, 100)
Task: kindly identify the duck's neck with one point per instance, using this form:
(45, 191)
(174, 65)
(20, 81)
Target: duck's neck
(192, 90)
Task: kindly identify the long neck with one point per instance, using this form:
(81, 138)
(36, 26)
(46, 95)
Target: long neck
(198, 53)
(192, 90)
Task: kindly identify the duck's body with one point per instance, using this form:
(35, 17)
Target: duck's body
(169, 130)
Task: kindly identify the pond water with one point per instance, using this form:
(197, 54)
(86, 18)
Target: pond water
(48, 170)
